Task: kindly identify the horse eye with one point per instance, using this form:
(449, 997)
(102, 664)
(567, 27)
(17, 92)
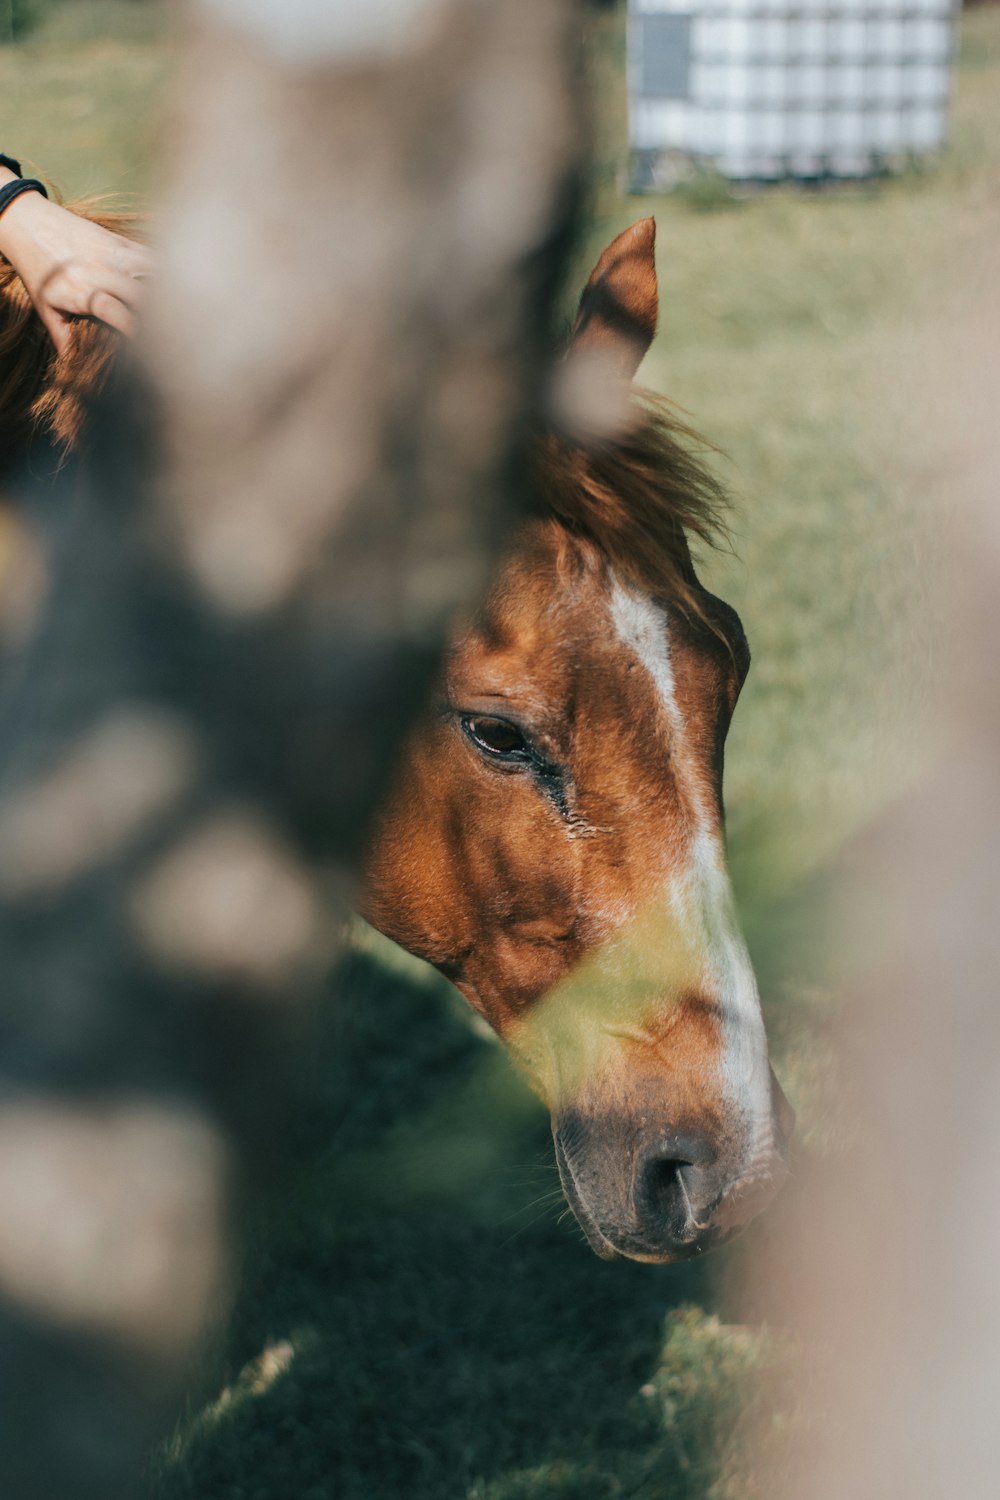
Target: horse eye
(495, 736)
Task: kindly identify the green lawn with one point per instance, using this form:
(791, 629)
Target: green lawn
(79, 96)
(418, 1317)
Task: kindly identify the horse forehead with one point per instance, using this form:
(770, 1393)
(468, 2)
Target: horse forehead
(578, 637)
(538, 626)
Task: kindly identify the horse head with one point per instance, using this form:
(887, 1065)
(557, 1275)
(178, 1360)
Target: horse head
(554, 843)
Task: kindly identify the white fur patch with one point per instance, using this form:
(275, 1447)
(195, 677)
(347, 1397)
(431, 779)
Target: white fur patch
(644, 627)
(700, 891)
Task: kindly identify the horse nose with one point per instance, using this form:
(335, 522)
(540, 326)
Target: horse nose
(667, 1195)
(669, 1184)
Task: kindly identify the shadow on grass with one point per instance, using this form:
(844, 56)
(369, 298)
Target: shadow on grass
(416, 1318)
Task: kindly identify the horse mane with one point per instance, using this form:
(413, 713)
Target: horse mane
(640, 497)
(42, 390)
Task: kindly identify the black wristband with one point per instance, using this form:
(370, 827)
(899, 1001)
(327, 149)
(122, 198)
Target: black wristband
(12, 190)
(10, 164)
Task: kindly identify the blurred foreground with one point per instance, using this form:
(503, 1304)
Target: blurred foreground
(415, 1318)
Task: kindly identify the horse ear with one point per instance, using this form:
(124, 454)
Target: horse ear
(617, 316)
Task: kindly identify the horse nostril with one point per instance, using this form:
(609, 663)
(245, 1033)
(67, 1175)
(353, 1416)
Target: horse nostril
(661, 1196)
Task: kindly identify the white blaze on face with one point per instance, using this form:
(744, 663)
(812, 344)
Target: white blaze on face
(697, 885)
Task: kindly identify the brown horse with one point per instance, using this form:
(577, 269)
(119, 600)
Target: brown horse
(554, 844)
(555, 841)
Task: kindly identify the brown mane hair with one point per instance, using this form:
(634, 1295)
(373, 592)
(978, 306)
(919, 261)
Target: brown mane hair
(41, 390)
(639, 497)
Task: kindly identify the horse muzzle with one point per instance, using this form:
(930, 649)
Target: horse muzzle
(662, 1194)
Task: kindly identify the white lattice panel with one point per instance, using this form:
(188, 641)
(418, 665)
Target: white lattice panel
(768, 89)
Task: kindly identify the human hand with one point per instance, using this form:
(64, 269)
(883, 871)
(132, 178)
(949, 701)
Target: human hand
(70, 266)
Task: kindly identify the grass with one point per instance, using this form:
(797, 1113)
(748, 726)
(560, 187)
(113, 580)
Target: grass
(415, 1320)
(78, 96)
(417, 1315)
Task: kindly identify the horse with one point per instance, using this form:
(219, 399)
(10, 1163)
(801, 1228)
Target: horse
(554, 840)
(554, 843)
